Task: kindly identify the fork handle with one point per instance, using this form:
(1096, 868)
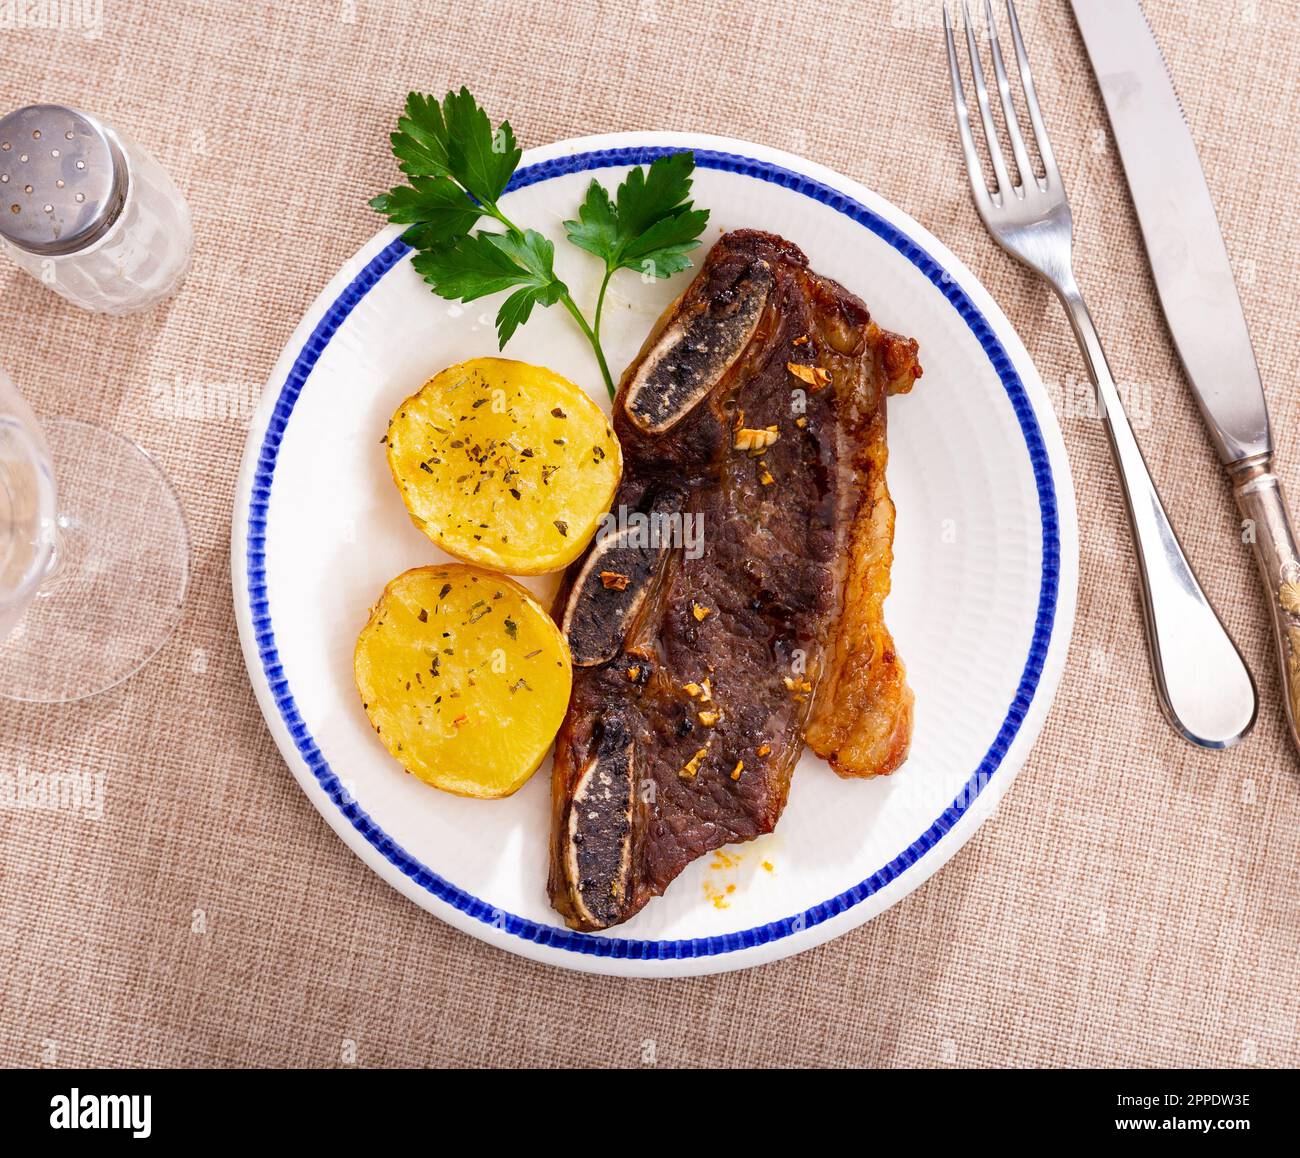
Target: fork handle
(1202, 683)
(1268, 528)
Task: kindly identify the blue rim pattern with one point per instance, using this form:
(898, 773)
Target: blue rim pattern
(601, 946)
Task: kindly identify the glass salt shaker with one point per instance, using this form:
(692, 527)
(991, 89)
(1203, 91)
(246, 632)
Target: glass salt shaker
(88, 212)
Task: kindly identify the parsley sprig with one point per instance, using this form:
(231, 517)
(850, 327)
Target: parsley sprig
(458, 166)
(650, 225)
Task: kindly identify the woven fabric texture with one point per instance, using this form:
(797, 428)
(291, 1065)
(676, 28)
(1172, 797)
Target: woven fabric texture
(1134, 902)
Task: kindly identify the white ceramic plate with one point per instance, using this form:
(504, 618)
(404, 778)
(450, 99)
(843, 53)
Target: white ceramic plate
(982, 604)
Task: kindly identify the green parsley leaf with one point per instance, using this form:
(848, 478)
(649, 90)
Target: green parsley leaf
(470, 268)
(515, 309)
(596, 229)
(661, 249)
(420, 143)
(487, 263)
(649, 226)
(454, 138)
(647, 197)
(438, 210)
(480, 159)
(531, 252)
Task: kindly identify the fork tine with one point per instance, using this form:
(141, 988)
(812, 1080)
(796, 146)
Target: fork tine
(986, 114)
(1008, 105)
(1050, 169)
(974, 170)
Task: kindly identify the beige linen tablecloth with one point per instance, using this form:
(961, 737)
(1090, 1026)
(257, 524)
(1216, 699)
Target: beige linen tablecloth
(1134, 902)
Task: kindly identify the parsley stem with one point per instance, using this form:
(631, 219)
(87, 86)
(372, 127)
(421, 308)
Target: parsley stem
(593, 334)
(490, 208)
(600, 300)
(569, 305)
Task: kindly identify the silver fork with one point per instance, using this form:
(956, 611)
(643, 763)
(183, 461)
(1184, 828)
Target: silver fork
(1201, 682)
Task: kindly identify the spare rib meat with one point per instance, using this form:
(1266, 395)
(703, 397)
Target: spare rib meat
(732, 610)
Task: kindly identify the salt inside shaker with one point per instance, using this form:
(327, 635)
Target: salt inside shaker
(88, 212)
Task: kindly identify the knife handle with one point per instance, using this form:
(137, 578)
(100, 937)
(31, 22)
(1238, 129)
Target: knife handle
(1267, 526)
(1202, 683)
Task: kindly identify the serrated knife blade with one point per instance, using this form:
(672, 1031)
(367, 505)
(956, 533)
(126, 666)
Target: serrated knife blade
(1179, 226)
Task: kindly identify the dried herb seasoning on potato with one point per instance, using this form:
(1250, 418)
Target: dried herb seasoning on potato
(465, 678)
(504, 464)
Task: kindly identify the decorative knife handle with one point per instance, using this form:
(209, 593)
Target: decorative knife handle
(1202, 683)
(1268, 527)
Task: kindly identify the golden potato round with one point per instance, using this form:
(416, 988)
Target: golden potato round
(465, 678)
(504, 464)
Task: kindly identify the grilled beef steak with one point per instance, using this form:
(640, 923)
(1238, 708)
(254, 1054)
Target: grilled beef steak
(733, 610)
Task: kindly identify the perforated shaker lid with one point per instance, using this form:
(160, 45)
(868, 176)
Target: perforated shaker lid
(62, 179)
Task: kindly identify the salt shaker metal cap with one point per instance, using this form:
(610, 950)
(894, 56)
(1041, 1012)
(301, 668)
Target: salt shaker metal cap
(63, 179)
(88, 212)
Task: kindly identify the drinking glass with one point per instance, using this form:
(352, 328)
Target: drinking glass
(94, 556)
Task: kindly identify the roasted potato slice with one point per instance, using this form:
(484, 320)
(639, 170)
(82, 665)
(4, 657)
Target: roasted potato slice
(465, 678)
(504, 464)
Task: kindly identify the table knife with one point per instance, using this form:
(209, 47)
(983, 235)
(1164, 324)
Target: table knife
(1199, 297)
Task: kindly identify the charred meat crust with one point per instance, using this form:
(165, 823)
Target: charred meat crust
(697, 680)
